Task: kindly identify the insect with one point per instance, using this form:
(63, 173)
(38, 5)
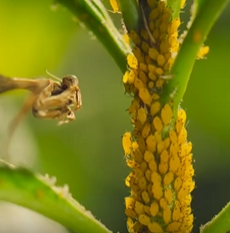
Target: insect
(49, 99)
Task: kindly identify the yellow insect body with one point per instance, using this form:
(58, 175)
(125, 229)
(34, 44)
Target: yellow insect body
(127, 143)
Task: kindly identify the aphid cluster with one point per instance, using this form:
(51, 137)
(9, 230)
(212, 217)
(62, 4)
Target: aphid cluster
(157, 149)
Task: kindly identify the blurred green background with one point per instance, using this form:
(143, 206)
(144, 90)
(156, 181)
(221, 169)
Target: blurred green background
(87, 154)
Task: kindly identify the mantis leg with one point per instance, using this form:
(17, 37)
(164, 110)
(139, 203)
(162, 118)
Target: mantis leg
(15, 122)
(45, 101)
(33, 85)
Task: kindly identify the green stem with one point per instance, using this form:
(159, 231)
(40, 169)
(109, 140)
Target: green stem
(182, 68)
(220, 223)
(22, 187)
(175, 6)
(93, 14)
(131, 14)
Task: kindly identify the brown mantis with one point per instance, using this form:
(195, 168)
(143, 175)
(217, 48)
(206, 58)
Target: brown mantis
(49, 100)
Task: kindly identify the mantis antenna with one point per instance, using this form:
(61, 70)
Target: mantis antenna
(53, 76)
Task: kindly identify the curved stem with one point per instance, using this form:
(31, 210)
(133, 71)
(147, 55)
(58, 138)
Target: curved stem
(206, 16)
(95, 17)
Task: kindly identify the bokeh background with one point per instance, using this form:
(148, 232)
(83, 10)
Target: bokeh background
(87, 153)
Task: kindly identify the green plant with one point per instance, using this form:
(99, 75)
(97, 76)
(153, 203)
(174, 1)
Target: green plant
(157, 82)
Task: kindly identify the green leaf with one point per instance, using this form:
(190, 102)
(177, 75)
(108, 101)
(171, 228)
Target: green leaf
(38, 193)
(220, 223)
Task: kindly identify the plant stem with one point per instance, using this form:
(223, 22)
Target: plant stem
(95, 17)
(207, 14)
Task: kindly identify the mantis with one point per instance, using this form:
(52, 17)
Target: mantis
(49, 99)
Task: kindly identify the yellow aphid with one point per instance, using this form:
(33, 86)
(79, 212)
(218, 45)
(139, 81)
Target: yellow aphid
(145, 96)
(128, 88)
(151, 68)
(142, 116)
(182, 4)
(151, 143)
(155, 108)
(157, 191)
(168, 178)
(159, 71)
(182, 115)
(164, 46)
(156, 33)
(125, 77)
(137, 227)
(145, 196)
(176, 211)
(182, 137)
(173, 226)
(163, 168)
(126, 38)
(173, 136)
(142, 183)
(154, 208)
(148, 60)
(144, 67)
(164, 156)
(202, 52)
(163, 203)
(148, 174)
(173, 26)
(139, 207)
(155, 96)
(153, 53)
(142, 146)
(148, 156)
(150, 85)
(160, 60)
(131, 163)
(145, 46)
(114, 5)
(133, 107)
(157, 123)
(167, 215)
(152, 76)
(135, 37)
(138, 83)
(152, 166)
(130, 213)
(127, 143)
(144, 219)
(174, 163)
(177, 183)
(129, 202)
(143, 77)
(166, 114)
(146, 130)
(160, 82)
(130, 224)
(132, 61)
(138, 54)
(154, 14)
(131, 77)
(160, 146)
